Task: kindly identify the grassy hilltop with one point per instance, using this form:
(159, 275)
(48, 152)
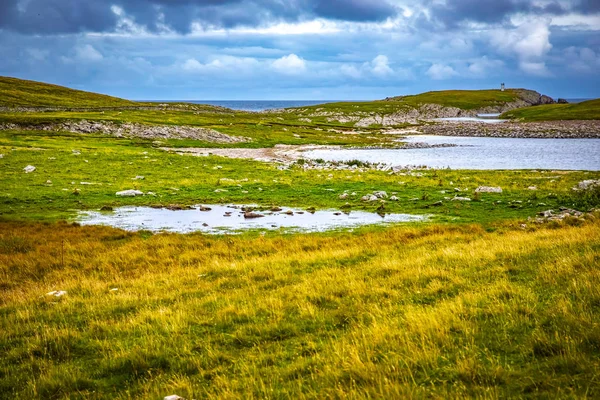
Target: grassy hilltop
(478, 302)
(552, 112)
(22, 93)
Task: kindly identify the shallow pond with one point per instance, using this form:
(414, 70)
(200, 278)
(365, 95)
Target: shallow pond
(228, 219)
(480, 153)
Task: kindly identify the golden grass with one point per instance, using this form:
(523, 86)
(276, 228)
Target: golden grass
(436, 311)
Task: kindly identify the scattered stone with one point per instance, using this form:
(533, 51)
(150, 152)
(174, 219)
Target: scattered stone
(204, 208)
(488, 189)
(1, 155)
(437, 204)
(56, 293)
(337, 213)
(369, 197)
(289, 212)
(276, 209)
(138, 178)
(532, 188)
(151, 194)
(205, 224)
(381, 194)
(251, 215)
(106, 208)
(173, 397)
(48, 182)
(394, 198)
(587, 184)
(220, 190)
(343, 196)
(458, 198)
(114, 289)
(29, 168)
(76, 152)
(311, 210)
(130, 193)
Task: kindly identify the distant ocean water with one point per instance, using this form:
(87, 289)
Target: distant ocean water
(253, 105)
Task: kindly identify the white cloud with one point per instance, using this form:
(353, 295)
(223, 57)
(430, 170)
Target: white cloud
(88, 53)
(192, 65)
(534, 68)
(582, 59)
(483, 66)
(290, 64)
(351, 71)
(380, 66)
(529, 42)
(441, 71)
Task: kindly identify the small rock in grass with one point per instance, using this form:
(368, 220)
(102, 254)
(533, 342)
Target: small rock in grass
(381, 194)
(369, 197)
(587, 184)
(532, 188)
(173, 397)
(114, 289)
(1, 155)
(130, 193)
(29, 168)
(56, 293)
(343, 196)
(394, 198)
(488, 189)
(48, 182)
(138, 178)
(458, 198)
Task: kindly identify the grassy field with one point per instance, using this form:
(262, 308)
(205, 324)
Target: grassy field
(22, 93)
(436, 312)
(478, 302)
(553, 112)
(106, 165)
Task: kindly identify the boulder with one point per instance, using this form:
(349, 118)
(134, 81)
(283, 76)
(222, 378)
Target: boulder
(587, 184)
(381, 194)
(29, 168)
(488, 189)
(394, 198)
(252, 215)
(130, 193)
(562, 101)
(545, 100)
(343, 196)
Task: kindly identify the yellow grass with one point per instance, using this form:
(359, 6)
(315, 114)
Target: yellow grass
(436, 312)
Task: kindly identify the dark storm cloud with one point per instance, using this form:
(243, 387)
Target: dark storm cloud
(454, 12)
(72, 16)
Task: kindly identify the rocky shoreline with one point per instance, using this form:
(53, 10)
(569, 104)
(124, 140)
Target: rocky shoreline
(551, 129)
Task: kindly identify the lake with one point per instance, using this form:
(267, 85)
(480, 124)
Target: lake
(480, 153)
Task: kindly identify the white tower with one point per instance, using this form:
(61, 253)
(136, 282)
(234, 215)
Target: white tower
(502, 87)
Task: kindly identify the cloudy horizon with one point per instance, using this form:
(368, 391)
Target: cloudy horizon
(302, 49)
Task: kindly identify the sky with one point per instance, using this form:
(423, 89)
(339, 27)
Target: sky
(302, 49)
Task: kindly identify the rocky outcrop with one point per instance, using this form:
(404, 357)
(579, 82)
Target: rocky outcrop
(132, 130)
(547, 129)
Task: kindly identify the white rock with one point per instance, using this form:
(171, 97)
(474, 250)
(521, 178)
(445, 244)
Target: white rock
(173, 397)
(380, 194)
(129, 193)
(394, 198)
(29, 168)
(532, 188)
(139, 177)
(56, 293)
(114, 289)
(343, 196)
(48, 182)
(458, 198)
(488, 189)
(369, 197)
(151, 194)
(587, 184)
(1, 155)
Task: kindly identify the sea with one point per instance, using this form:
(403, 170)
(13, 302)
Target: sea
(262, 105)
(253, 105)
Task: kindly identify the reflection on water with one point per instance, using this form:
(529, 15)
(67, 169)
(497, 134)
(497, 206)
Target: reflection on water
(226, 219)
(481, 153)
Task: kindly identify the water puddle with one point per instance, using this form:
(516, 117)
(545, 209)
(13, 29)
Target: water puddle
(220, 219)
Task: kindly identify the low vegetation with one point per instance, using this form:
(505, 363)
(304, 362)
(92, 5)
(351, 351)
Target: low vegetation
(587, 110)
(439, 311)
(478, 302)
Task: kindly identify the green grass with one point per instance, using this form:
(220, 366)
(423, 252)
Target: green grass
(587, 110)
(434, 312)
(110, 164)
(463, 99)
(22, 93)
